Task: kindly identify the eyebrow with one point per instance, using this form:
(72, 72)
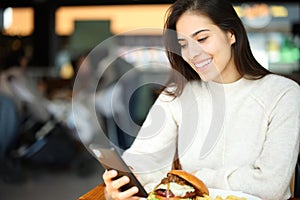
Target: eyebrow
(194, 34)
(197, 32)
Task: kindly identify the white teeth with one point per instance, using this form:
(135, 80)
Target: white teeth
(202, 64)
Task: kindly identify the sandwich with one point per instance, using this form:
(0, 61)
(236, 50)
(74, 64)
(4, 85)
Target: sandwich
(179, 185)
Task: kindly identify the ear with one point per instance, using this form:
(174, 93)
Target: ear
(231, 37)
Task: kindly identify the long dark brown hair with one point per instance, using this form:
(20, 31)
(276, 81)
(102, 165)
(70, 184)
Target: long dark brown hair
(222, 13)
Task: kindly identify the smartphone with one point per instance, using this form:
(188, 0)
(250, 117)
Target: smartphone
(111, 159)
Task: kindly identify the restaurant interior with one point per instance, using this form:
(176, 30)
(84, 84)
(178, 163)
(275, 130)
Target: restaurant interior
(63, 47)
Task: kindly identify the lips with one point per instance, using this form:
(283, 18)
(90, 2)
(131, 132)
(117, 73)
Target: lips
(203, 63)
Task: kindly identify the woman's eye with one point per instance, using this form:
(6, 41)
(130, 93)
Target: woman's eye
(202, 39)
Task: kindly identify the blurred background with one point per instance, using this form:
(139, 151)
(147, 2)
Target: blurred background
(45, 44)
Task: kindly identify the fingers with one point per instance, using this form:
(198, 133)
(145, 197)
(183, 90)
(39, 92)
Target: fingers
(128, 194)
(118, 183)
(108, 175)
(113, 186)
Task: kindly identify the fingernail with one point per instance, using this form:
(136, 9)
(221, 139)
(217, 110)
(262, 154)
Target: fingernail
(113, 172)
(135, 189)
(125, 179)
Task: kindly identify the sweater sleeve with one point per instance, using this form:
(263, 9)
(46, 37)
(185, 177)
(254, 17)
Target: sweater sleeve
(152, 152)
(269, 177)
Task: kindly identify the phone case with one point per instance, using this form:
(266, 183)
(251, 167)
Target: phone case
(111, 159)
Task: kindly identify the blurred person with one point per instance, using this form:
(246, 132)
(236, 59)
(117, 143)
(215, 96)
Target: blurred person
(83, 69)
(24, 91)
(10, 169)
(234, 124)
(41, 137)
(11, 111)
(9, 123)
(119, 126)
(82, 95)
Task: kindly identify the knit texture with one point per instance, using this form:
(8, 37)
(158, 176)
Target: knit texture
(240, 136)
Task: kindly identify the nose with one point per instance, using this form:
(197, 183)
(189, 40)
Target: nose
(194, 49)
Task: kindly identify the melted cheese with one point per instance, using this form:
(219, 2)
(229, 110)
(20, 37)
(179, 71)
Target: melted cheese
(178, 190)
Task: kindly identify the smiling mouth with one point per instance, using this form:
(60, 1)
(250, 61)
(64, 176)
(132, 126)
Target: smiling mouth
(204, 63)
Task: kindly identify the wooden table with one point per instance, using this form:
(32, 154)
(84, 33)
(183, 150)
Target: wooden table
(98, 193)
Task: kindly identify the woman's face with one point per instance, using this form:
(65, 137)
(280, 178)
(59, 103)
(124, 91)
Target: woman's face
(207, 48)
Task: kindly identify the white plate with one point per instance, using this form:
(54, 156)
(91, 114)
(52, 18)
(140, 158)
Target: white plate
(224, 193)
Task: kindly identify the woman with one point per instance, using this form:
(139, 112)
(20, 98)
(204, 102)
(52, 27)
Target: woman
(235, 124)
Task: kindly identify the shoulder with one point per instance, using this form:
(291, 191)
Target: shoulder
(272, 88)
(276, 84)
(279, 81)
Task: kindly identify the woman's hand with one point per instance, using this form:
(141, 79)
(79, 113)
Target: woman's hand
(113, 187)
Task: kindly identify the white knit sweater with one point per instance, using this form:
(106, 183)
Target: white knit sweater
(240, 136)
